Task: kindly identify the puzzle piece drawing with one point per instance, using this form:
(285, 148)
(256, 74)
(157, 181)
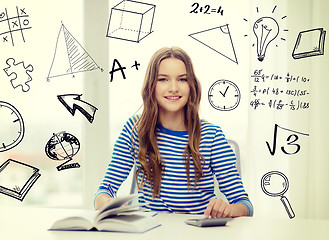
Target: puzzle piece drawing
(19, 73)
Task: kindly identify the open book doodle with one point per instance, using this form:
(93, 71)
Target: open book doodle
(17, 178)
(309, 43)
(116, 216)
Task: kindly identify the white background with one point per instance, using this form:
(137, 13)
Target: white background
(118, 100)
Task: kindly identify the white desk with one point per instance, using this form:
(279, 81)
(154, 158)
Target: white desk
(32, 223)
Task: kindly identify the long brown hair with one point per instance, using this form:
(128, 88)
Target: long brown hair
(149, 154)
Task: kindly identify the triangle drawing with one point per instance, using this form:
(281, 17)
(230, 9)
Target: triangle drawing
(219, 40)
(69, 57)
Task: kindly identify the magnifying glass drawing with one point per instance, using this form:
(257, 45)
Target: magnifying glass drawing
(276, 184)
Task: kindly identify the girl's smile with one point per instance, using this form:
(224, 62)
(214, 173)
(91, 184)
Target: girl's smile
(173, 98)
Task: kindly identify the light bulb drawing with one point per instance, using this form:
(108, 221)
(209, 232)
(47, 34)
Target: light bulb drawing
(266, 29)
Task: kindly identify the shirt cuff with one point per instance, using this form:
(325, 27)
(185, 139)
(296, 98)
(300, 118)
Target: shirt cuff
(248, 205)
(100, 191)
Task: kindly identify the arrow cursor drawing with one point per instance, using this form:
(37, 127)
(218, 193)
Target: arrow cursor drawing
(72, 102)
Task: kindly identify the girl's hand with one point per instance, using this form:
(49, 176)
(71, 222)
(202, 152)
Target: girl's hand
(218, 208)
(101, 200)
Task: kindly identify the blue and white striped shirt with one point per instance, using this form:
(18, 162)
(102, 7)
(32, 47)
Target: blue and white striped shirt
(175, 194)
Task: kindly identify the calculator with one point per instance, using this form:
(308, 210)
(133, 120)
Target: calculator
(208, 222)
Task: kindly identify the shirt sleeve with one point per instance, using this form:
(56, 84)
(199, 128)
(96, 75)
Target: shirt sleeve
(223, 163)
(121, 163)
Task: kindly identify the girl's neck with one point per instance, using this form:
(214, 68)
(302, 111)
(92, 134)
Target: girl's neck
(175, 122)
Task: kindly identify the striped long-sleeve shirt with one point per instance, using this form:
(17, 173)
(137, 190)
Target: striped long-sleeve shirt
(176, 195)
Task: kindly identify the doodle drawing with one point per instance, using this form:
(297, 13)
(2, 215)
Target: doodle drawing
(266, 29)
(224, 95)
(63, 146)
(309, 43)
(69, 57)
(17, 178)
(276, 184)
(219, 40)
(13, 25)
(290, 145)
(11, 125)
(131, 21)
(72, 102)
(19, 74)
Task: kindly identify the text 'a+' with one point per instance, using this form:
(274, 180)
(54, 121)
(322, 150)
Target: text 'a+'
(116, 66)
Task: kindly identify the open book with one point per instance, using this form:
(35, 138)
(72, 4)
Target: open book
(115, 216)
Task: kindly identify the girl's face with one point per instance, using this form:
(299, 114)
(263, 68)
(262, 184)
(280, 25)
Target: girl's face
(172, 89)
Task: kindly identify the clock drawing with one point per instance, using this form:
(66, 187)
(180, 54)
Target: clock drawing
(11, 126)
(224, 95)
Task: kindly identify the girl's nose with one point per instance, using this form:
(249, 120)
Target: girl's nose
(173, 86)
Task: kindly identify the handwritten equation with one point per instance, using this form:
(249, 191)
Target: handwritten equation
(290, 145)
(259, 76)
(291, 95)
(280, 104)
(278, 91)
(206, 9)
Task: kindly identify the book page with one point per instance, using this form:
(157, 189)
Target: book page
(80, 221)
(117, 202)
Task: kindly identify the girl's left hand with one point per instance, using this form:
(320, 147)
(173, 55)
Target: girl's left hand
(218, 208)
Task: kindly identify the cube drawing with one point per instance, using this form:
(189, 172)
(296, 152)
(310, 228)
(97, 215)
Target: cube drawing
(131, 20)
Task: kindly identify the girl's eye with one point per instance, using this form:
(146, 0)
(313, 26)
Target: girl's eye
(183, 79)
(162, 79)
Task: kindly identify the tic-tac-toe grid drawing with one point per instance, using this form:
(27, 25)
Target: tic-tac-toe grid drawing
(13, 24)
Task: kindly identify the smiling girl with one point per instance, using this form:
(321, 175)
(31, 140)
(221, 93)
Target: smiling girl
(176, 154)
